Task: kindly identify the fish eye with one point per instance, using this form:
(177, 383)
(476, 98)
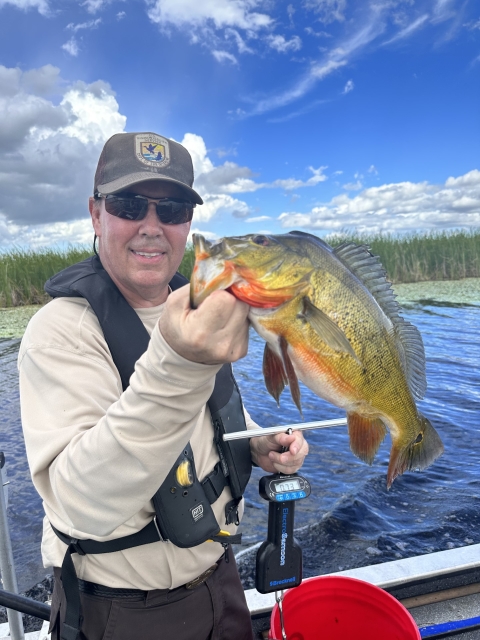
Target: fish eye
(262, 240)
(419, 438)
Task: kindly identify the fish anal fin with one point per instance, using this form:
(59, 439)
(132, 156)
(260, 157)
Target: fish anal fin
(417, 455)
(291, 375)
(274, 373)
(326, 328)
(366, 435)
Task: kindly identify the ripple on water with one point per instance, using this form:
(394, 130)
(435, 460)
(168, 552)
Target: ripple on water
(350, 510)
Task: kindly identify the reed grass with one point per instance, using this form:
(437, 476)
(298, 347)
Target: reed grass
(23, 272)
(446, 255)
(411, 258)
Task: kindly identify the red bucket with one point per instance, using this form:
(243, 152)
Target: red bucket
(340, 608)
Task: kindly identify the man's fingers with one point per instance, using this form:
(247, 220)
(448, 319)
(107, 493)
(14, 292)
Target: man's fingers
(214, 333)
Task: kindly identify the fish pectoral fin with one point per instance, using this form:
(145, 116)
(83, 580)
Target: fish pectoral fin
(291, 375)
(326, 328)
(366, 435)
(274, 373)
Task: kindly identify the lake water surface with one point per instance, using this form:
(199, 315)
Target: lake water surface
(350, 519)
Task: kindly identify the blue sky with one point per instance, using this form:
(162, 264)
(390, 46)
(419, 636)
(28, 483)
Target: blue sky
(320, 115)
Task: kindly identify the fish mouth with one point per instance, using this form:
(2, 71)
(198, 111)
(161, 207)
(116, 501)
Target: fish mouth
(211, 271)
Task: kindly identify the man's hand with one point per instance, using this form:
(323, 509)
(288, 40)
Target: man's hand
(215, 333)
(267, 452)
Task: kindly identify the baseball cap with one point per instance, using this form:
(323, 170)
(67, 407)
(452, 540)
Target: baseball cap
(129, 158)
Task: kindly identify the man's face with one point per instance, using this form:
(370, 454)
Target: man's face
(141, 256)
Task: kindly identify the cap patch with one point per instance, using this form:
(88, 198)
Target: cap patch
(152, 150)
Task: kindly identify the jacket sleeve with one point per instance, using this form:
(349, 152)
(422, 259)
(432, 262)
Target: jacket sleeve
(97, 454)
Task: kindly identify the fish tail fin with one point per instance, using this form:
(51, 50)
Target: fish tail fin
(366, 435)
(417, 455)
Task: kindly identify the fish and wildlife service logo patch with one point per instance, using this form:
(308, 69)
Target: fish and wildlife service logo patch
(152, 150)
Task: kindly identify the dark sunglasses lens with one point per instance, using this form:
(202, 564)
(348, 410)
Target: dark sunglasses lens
(135, 208)
(171, 212)
(129, 208)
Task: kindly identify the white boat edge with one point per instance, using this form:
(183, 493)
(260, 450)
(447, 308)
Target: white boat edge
(32, 635)
(384, 575)
(390, 574)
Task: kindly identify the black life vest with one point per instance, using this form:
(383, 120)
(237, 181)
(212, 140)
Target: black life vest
(127, 340)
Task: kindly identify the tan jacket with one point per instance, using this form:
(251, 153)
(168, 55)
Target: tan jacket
(97, 454)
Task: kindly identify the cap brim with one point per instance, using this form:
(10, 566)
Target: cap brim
(134, 178)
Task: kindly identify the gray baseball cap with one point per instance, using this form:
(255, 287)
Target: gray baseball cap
(129, 158)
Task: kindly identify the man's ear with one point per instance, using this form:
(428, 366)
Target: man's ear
(94, 208)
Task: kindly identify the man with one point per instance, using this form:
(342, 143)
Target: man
(102, 439)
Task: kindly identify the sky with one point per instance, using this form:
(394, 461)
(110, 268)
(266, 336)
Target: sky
(328, 116)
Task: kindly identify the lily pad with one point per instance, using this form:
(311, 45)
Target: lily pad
(14, 320)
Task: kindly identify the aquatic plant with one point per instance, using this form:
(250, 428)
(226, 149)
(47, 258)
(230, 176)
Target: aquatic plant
(416, 257)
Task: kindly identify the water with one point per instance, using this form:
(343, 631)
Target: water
(350, 519)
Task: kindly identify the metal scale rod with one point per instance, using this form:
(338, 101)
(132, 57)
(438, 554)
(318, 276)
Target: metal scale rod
(268, 431)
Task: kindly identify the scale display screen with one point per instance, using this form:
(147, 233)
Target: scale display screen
(287, 485)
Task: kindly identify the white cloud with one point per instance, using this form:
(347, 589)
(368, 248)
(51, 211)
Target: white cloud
(221, 26)
(472, 25)
(121, 15)
(348, 87)
(317, 34)
(91, 24)
(95, 5)
(224, 56)
(280, 44)
(328, 10)
(41, 5)
(353, 186)
(316, 73)
(290, 183)
(37, 236)
(338, 57)
(409, 30)
(242, 47)
(209, 235)
(219, 13)
(397, 207)
(217, 184)
(258, 219)
(71, 47)
(49, 150)
(373, 169)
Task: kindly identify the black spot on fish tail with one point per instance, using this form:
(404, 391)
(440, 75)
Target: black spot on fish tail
(418, 455)
(291, 375)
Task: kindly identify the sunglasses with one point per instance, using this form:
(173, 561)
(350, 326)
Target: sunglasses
(131, 206)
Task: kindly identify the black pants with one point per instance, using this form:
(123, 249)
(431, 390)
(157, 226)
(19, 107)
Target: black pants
(215, 610)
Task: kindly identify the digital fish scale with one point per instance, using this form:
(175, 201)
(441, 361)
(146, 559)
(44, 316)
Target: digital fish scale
(279, 558)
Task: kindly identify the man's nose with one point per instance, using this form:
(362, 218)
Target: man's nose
(151, 224)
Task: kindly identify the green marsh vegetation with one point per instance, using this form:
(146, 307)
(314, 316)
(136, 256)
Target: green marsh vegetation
(415, 257)
(407, 259)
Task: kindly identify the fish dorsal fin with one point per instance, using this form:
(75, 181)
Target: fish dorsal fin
(368, 269)
(410, 345)
(314, 239)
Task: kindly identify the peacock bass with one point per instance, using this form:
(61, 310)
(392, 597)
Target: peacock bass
(330, 319)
